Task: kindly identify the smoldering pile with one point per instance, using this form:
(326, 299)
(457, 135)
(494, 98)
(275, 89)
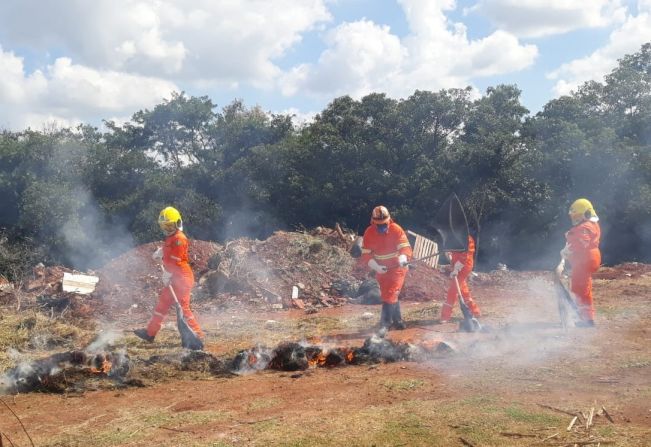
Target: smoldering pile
(292, 356)
(79, 371)
(65, 372)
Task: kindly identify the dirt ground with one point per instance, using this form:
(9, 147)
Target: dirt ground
(519, 383)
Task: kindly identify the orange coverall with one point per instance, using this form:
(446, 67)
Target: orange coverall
(175, 261)
(467, 258)
(585, 257)
(385, 249)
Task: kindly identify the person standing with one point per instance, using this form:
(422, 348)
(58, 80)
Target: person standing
(386, 250)
(582, 252)
(177, 273)
(462, 264)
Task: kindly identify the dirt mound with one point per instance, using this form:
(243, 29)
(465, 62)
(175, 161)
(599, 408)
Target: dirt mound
(133, 278)
(621, 271)
(423, 283)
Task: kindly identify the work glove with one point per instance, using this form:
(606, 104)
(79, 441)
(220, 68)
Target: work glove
(158, 254)
(566, 252)
(166, 277)
(456, 269)
(402, 260)
(377, 267)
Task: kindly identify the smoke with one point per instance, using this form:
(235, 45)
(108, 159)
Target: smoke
(90, 237)
(59, 205)
(246, 221)
(105, 339)
(528, 332)
(23, 367)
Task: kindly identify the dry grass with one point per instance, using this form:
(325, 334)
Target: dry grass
(34, 333)
(132, 428)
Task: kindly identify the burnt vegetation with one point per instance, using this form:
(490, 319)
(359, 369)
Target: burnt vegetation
(79, 196)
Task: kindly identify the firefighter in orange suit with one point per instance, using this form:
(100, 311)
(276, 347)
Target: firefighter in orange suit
(462, 264)
(386, 251)
(582, 251)
(177, 273)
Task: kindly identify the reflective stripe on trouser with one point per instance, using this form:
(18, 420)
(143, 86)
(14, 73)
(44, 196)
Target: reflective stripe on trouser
(165, 301)
(390, 284)
(581, 287)
(451, 300)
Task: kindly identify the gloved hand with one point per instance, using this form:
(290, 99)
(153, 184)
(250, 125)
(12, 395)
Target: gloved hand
(560, 267)
(402, 260)
(377, 267)
(158, 254)
(566, 252)
(456, 269)
(166, 277)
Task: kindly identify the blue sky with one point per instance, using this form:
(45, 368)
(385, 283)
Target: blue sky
(67, 61)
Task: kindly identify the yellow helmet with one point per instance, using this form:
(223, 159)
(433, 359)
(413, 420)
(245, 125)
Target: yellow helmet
(380, 215)
(169, 220)
(582, 209)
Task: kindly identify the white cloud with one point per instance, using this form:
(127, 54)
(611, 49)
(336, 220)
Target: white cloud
(217, 40)
(299, 118)
(362, 56)
(68, 93)
(628, 38)
(537, 18)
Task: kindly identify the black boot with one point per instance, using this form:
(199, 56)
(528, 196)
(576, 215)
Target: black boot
(142, 333)
(385, 317)
(396, 317)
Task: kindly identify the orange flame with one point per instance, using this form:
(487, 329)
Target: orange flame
(431, 344)
(318, 360)
(104, 368)
(253, 359)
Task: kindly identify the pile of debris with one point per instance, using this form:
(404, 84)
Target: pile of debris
(133, 279)
(286, 270)
(304, 270)
(6, 290)
(336, 236)
(55, 290)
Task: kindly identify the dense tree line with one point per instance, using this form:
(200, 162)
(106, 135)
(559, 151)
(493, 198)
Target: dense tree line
(80, 195)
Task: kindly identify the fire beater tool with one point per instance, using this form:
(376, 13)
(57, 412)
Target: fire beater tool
(189, 339)
(452, 226)
(563, 296)
(469, 323)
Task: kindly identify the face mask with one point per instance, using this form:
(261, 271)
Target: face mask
(383, 228)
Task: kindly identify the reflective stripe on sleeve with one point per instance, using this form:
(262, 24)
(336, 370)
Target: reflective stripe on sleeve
(385, 257)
